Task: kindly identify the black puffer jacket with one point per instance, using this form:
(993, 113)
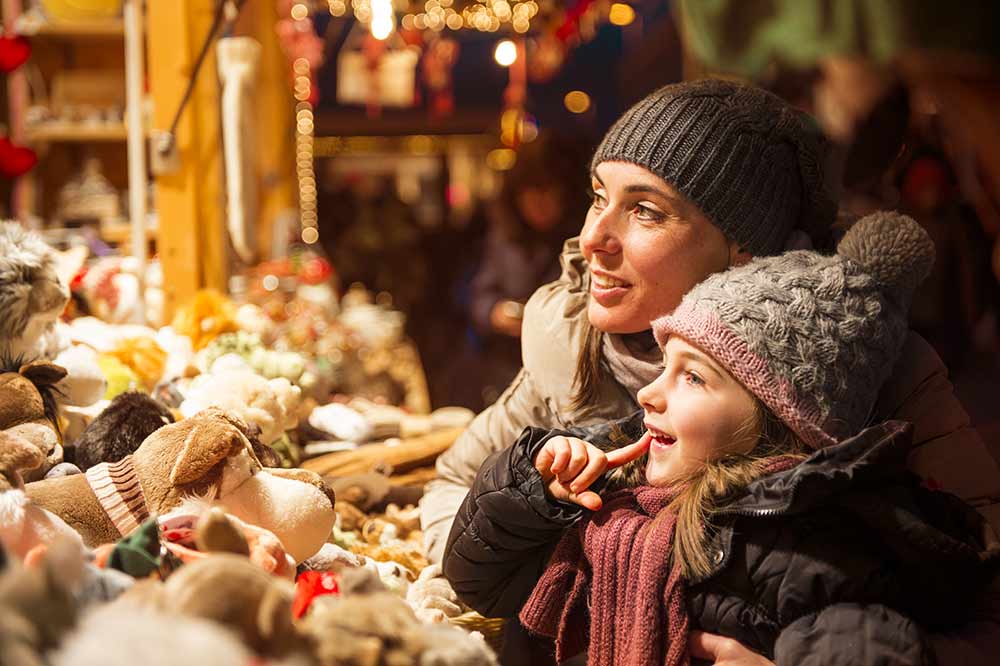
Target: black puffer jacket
(844, 559)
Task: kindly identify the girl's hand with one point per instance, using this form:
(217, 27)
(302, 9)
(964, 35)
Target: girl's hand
(722, 651)
(569, 466)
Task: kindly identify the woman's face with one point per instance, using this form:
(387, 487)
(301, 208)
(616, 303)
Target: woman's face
(696, 412)
(647, 245)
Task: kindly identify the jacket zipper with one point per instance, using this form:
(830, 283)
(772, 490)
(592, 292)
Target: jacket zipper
(762, 512)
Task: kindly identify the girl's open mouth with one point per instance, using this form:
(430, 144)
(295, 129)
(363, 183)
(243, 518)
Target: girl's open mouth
(660, 438)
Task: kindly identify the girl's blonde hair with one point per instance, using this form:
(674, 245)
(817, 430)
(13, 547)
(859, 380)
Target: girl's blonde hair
(707, 489)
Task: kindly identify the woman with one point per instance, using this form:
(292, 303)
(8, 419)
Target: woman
(695, 178)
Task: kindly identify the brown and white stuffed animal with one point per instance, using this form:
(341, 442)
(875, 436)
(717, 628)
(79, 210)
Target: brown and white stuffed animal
(23, 525)
(206, 456)
(28, 410)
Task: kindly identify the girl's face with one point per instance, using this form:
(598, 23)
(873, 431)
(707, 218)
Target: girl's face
(647, 245)
(695, 412)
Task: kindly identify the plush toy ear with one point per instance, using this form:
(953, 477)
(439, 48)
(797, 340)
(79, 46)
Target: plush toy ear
(42, 373)
(207, 444)
(215, 532)
(274, 615)
(69, 262)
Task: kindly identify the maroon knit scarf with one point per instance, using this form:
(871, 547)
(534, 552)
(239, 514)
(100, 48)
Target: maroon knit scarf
(624, 555)
(638, 608)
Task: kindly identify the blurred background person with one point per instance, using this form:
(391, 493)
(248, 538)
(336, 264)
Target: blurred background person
(541, 203)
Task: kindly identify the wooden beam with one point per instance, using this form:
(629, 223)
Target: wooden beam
(190, 201)
(403, 457)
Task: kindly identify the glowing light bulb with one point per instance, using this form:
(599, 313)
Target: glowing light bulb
(505, 53)
(383, 20)
(621, 14)
(577, 101)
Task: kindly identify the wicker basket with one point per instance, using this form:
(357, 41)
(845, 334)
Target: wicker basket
(490, 627)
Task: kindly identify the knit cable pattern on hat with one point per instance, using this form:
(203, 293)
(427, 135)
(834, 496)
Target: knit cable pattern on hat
(746, 158)
(813, 336)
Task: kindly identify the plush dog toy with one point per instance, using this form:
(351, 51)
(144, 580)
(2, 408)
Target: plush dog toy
(34, 290)
(120, 429)
(207, 456)
(28, 409)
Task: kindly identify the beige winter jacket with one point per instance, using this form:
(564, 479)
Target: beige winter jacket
(949, 451)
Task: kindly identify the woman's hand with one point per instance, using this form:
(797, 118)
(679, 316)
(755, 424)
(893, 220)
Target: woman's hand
(569, 466)
(722, 651)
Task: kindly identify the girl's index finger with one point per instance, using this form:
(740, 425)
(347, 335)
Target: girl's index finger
(619, 457)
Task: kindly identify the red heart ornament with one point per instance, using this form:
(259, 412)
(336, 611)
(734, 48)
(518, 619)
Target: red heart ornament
(15, 160)
(14, 51)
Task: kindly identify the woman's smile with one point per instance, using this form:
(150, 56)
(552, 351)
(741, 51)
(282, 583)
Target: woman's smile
(606, 288)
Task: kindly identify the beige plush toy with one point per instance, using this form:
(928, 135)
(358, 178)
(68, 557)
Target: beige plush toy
(271, 404)
(230, 590)
(369, 627)
(206, 456)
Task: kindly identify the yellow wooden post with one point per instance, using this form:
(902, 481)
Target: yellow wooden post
(192, 243)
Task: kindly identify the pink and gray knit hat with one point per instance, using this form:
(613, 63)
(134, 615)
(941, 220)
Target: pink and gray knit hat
(812, 336)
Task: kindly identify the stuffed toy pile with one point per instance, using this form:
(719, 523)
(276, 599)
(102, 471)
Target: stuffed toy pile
(145, 512)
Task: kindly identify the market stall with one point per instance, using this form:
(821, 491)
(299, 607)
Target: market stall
(266, 259)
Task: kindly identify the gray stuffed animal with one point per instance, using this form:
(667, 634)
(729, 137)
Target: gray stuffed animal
(34, 290)
(32, 293)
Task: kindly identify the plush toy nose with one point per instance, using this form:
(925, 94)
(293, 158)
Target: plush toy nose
(305, 476)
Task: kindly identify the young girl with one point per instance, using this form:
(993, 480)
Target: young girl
(763, 511)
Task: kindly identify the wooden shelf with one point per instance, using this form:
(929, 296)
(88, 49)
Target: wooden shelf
(75, 132)
(119, 234)
(34, 26)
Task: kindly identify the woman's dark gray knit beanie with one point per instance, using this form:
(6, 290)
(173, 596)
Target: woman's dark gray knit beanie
(748, 160)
